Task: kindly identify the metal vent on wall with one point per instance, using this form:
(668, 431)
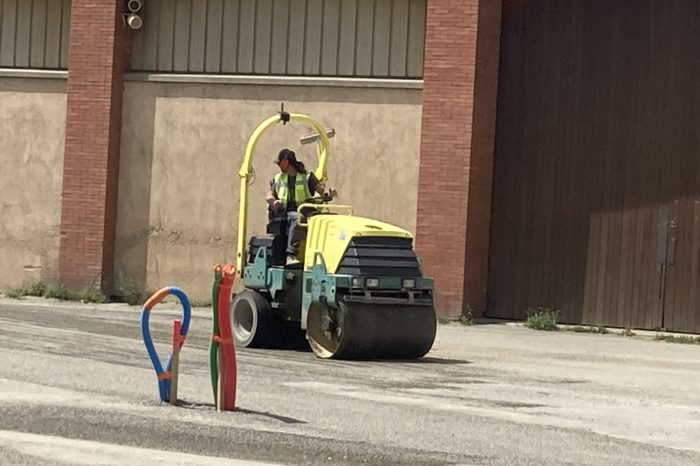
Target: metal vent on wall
(351, 38)
(34, 34)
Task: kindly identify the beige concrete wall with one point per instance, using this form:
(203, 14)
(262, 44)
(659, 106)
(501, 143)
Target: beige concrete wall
(32, 122)
(182, 146)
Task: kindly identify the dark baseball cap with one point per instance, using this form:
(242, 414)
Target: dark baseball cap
(286, 154)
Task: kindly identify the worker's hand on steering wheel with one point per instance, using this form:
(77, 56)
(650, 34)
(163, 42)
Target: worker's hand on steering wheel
(329, 195)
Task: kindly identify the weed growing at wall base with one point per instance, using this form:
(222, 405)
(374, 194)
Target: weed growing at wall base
(129, 292)
(597, 329)
(467, 318)
(684, 339)
(14, 294)
(542, 319)
(89, 294)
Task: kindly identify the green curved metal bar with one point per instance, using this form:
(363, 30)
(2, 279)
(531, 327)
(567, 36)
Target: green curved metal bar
(213, 344)
(245, 172)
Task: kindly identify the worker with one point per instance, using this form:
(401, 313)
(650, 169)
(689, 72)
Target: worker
(289, 188)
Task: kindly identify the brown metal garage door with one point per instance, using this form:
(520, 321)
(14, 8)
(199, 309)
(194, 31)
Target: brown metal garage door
(596, 207)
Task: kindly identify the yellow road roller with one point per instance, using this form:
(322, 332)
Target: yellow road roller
(358, 292)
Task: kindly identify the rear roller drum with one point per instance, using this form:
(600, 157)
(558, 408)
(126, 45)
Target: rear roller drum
(255, 325)
(252, 320)
(371, 331)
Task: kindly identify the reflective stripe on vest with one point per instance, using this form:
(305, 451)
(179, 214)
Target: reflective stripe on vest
(301, 188)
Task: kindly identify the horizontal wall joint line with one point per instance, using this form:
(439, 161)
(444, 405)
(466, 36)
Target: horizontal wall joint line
(32, 73)
(275, 80)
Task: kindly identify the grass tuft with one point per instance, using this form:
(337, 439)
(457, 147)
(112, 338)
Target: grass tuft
(35, 289)
(683, 339)
(542, 319)
(467, 317)
(131, 293)
(596, 329)
(15, 293)
(89, 294)
(92, 295)
(58, 291)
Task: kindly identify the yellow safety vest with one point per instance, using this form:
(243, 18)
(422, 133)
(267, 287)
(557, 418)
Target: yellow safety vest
(301, 188)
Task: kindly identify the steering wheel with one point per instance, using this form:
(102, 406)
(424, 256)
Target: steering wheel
(318, 200)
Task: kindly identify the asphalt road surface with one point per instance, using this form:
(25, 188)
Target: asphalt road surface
(77, 387)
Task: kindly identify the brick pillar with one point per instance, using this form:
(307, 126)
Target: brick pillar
(457, 147)
(99, 54)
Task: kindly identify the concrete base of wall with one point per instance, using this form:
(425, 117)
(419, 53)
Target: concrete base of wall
(32, 118)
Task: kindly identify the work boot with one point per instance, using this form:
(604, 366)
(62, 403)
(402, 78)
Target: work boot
(292, 260)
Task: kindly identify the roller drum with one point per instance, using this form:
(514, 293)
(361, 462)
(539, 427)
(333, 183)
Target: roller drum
(372, 331)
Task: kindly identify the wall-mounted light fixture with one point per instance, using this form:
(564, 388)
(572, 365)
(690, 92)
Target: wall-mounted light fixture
(133, 19)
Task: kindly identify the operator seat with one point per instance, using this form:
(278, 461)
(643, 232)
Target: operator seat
(277, 231)
(276, 239)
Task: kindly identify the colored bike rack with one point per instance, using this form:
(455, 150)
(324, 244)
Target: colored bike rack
(222, 353)
(168, 377)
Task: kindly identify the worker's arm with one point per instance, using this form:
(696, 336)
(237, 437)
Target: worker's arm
(320, 188)
(271, 197)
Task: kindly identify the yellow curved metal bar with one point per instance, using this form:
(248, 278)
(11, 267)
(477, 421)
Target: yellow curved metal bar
(245, 172)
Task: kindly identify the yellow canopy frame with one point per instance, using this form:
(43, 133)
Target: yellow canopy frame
(245, 170)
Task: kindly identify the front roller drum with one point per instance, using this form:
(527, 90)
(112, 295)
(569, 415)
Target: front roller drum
(371, 331)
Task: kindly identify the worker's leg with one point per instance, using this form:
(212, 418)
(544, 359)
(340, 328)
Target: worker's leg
(295, 234)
